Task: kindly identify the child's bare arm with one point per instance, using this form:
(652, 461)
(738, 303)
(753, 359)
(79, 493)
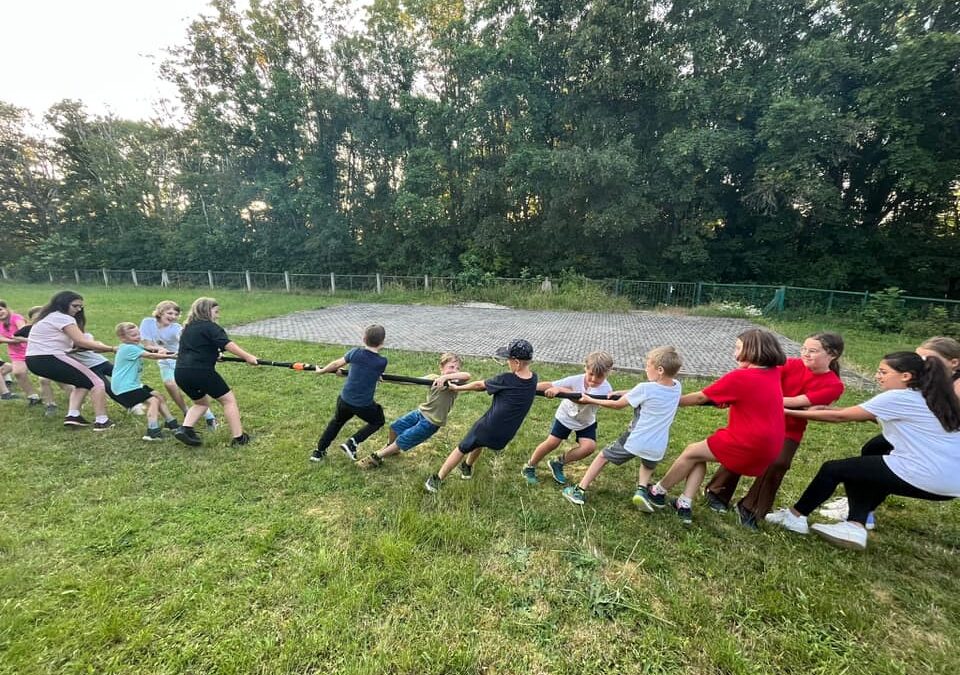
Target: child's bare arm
(694, 398)
(621, 402)
(443, 380)
(333, 366)
(477, 385)
(237, 350)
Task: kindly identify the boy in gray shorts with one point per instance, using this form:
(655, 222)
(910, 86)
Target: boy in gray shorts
(655, 405)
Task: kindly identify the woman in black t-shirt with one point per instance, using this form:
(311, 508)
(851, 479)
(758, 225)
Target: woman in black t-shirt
(201, 343)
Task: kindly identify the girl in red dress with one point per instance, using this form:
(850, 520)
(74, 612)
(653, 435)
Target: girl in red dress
(755, 428)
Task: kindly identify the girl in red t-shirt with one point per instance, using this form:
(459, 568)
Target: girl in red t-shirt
(811, 380)
(755, 427)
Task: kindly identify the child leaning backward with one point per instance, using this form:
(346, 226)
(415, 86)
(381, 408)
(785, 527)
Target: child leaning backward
(512, 394)
(356, 397)
(127, 387)
(655, 405)
(420, 424)
(573, 417)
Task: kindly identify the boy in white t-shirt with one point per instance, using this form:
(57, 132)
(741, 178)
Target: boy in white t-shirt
(655, 405)
(572, 417)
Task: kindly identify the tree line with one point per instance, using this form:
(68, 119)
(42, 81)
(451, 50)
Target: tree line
(807, 142)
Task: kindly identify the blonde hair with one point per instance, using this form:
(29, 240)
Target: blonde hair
(201, 310)
(946, 347)
(33, 311)
(666, 358)
(447, 357)
(163, 306)
(123, 327)
(599, 363)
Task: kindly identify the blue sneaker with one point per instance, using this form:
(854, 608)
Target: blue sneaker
(642, 500)
(530, 473)
(556, 468)
(871, 521)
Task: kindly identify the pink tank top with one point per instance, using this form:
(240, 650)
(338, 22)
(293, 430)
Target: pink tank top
(18, 351)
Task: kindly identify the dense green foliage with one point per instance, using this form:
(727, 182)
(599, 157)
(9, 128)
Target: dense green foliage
(792, 141)
(119, 556)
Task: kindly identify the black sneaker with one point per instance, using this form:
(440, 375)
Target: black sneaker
(103, 426)
(242, 439)
(466, 471)
(33, 402)
(75, 421)
(153, 435)
(714, 502)
(747, 519)
(187, 436)
(685, 513)
(657, 501)
(9, 396)
(433, 483)
(318, 455)
(349, 448)
(172, 424)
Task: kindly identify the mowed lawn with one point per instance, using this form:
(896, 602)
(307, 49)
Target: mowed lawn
(118, 555)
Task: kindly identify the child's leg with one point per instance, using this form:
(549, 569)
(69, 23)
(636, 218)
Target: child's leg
(341, 415)
(373, 416)
(175, 395)
(46, 392)
(693, 455)
(583, 448)
(23, 379)
(153, 407)
(196, 411)
(596, 466)
(231, 412)
(473, 457)
(645, 473)
(545, 448)
(453, 460)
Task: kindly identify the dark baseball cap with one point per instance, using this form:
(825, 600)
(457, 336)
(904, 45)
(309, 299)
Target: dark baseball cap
(517, 349)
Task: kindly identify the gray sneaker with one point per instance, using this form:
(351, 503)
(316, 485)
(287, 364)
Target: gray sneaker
(433, 483)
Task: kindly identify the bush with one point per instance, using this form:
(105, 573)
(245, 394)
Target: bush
(936, 322)
(885, 311)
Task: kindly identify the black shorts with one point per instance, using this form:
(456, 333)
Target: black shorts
(128, 399)
(199, 383)
(474, 440)
(62, 368)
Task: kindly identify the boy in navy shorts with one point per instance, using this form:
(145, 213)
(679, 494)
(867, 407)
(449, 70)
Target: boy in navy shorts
(356, 397)
(513, 395)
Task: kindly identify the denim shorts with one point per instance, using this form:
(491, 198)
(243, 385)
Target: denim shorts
(413, 429)
(562, 431)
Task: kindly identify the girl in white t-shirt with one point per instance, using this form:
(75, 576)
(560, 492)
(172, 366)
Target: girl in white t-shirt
(59, 330)
(920, 417)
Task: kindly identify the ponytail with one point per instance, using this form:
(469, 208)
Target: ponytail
(930, 378)
(832, 344)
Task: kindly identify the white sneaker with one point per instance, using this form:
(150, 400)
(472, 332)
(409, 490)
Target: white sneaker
(845, 534)
(837, 509)
(785, 519)
(137, 410)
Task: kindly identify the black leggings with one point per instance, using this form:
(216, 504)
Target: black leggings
(105, 371)
(868, 481)
(371, 414)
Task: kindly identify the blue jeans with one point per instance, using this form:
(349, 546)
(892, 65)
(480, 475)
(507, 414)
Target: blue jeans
(413, 429)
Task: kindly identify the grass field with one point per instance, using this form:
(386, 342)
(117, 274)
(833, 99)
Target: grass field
(122, 556)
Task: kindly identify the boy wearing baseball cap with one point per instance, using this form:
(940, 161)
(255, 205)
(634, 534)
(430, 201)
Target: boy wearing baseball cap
(513, 394)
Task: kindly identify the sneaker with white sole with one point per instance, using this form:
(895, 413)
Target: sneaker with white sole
(836, 509)
(104, 425)
(641, 499)
(556, 469)
(75, 421)
(785, 519)
(574, 494)
(433, 483)
(871, 521)
(349, 448)
(153, 434)
(845, 535)
(466, 471)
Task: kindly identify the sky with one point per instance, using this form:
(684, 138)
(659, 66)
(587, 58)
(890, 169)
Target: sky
(106, 53)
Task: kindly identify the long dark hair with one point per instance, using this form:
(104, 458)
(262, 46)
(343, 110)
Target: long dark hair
(61, 303)
(930, 379)
(6, 324)
(832, 344)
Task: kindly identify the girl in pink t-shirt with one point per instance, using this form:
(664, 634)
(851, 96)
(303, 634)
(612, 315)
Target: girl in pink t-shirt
(755, 427)
(10, 323)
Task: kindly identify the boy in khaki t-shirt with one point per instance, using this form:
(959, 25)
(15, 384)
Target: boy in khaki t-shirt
(418, 425)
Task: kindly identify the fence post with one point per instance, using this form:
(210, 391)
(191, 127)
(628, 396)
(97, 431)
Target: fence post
(133, 275)
(379, 286)
(333, 284)
(830, 302)
(210, 278)
(426, 281)
(106, 279)
(866, 299)
(616, 287)
(246, 273)
(164, 278)
(286, 280)
(698, 294)
(783, 298)
(4, 271)
(50, 274)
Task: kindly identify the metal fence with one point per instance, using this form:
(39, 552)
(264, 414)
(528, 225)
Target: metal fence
(770, 299)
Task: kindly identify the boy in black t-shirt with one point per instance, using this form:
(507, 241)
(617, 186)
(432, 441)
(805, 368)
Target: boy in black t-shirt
(513, 395)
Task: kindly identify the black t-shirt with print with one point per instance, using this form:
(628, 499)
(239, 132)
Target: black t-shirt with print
(200, 345)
